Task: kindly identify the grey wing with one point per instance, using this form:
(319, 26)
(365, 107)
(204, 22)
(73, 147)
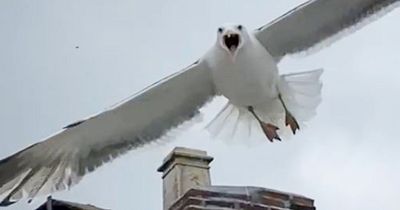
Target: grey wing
(61, 160)
(315, 21)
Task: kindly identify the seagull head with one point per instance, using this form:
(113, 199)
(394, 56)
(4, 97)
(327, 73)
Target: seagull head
(230, 38)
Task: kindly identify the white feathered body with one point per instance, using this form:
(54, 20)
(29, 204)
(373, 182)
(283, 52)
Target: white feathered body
(248, 80)
(251, 78)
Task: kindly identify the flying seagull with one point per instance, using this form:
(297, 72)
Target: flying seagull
(242, 66)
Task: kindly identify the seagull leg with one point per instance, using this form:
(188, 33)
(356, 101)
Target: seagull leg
(268, 129)
(289, 119)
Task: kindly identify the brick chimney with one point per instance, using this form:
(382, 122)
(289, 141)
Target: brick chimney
(184, 169)
(187, 186)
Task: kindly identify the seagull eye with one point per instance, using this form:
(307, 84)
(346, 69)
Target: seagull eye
(220, 30)
(240, 27)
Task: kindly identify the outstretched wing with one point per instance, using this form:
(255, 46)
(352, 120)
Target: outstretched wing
(315, 21)
(61, 160)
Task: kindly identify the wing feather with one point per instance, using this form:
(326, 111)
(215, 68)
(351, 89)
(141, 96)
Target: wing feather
(61, 160)
(315, 21)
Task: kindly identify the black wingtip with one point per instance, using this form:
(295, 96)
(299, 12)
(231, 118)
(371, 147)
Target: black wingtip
(74, 124)
(6, 202)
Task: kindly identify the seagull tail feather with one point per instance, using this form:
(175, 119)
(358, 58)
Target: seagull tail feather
(233, 124)
(301, 93)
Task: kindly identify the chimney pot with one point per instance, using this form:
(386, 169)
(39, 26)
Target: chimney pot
(184, 169)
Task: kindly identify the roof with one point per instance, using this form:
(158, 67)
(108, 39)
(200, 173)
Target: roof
(66, 205)
(241, 197)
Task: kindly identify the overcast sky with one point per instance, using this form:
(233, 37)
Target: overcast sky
(347, 157)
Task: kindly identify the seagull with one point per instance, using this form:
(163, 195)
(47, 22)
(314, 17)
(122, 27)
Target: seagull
(241, 66)
(242, 70)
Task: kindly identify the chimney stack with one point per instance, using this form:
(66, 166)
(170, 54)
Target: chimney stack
(184, 169)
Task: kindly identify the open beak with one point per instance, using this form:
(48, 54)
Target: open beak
(231, 42)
